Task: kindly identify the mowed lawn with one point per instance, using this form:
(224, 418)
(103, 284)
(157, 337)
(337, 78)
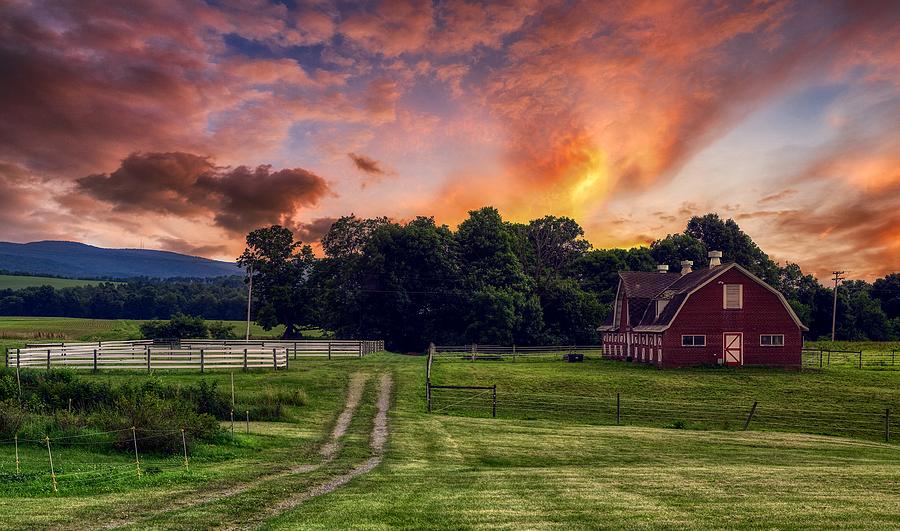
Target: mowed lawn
(565, 472)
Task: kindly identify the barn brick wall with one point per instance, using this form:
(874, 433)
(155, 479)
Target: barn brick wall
(762, 313)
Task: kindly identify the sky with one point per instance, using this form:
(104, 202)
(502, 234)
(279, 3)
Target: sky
(182, 125)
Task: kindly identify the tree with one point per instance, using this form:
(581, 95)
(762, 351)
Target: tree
(887, 291)
(349, 235)
(552, 244)
(280, 267)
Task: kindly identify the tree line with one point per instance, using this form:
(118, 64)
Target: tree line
(497, 282)
(223, 298)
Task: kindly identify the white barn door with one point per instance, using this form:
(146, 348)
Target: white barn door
(733, 348)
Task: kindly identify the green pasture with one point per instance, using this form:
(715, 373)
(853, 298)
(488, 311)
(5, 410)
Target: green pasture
(465, 471)
(22, 281)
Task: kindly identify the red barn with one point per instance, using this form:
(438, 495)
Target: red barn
(722, 314)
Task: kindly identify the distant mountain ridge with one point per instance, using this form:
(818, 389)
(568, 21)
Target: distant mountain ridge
(79, 260)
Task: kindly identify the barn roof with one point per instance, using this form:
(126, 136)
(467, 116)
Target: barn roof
(643, 288)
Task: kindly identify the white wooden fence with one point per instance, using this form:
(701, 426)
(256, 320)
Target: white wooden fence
(189, 354)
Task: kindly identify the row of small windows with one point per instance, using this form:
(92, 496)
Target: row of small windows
(765, 340)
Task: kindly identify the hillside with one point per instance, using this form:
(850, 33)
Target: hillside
(77, 260)
(24, 281)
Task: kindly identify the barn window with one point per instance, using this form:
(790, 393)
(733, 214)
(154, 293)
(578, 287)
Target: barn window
(733, 296)
(660, 306)
(771, 340)
(693, 341)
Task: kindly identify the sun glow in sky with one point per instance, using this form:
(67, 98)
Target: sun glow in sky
(185, 124)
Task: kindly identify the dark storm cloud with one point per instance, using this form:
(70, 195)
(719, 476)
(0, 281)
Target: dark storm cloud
(190, 186)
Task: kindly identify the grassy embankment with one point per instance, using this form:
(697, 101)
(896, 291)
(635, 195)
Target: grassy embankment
(457, 472)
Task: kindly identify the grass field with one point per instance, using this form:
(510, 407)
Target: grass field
(451, 472)
(19, 282)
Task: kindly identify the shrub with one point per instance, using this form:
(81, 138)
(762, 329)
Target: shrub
(270, 404)
(180, 326)
(220, 330)
(11, 418)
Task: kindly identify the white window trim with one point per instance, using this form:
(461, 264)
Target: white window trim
(725, 297)
(693, 335)
(771, 335)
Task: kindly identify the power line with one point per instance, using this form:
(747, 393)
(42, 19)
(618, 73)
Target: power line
(837, 281)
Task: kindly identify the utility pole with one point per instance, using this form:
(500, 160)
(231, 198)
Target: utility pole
(837, 279)
(249, 299)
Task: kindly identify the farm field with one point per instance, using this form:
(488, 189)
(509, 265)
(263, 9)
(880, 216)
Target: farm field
(22, 281)
(465, 470)
(16, 331)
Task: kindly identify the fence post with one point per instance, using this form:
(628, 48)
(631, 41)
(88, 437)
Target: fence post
(295, 351)
(232, 423)
(137, 461)
(514, 352)
(749, 416)
(618, 409)
(820, 359)
(829, 358)
(245, 360)
(494, 402)
(248, 421)
(52, 472)
(147, 350)
(473, 351)
(329, 350)
(201, 360)
(360, 349)
(48, 359)
(274, 364)
(95, 360)
(860, 359)
(17, 454)
(887, 425)
(184, 446)
(428, 393)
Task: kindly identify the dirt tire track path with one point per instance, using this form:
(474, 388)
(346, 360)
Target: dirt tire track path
(377, 441)
(328, 451)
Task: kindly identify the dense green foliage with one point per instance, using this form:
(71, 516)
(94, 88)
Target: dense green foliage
(61, 405)
(182, 326)
(493, 281)
(222, 298)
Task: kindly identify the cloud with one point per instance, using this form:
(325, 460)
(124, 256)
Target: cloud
(778, 196)
(366, 164)
(314, 230)
(190, 186)
(179, 245)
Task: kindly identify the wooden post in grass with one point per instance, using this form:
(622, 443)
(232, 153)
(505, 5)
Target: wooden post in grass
(428, 393)
(514, 352)
(17, 454)
(201, 360)
(48, 359)
(494, 402)
(275, 359)
(147, 353)
(184, 447)
(820, 359)
(232, 423)
(137, 460)
(887, 425)
(248, 421)
(618, 409)
(829, 359)
(329, 350)
(860, 359)
(245, 360)
(95, 360)
(52, 472)
(749, 416)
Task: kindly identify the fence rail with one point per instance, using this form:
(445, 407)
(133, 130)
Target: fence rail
(474, 352)
(186, 354)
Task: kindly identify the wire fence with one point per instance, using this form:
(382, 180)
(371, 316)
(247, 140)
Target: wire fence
(873, 423)
(860, 359)
(100, 458)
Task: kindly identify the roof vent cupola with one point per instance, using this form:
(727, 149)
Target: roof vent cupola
(686, 266)
(662, 268)
(715, 258)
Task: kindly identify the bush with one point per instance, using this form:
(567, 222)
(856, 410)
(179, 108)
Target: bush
(270, 403)
(180, 326)
(11, 418)
(220, 330)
